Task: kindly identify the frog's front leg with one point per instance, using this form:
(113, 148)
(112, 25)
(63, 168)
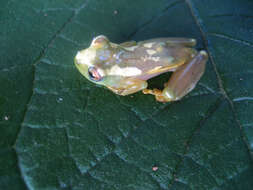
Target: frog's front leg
(129, 86)
(182, 81)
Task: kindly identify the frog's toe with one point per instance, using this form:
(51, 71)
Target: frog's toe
(157, 93)
(153, 91)
(147, 91)
(161, 98)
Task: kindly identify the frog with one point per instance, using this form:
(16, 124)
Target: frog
(126, 67)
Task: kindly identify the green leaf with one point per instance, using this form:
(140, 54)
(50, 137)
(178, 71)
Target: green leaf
(59, 131)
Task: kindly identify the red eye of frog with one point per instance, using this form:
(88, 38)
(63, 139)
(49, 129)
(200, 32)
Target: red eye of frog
(94, 74)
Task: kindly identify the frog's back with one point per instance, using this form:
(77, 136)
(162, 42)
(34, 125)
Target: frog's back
(155, 56)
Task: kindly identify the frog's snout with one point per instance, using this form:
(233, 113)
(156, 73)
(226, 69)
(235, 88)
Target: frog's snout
(76, 58)
(78, 62)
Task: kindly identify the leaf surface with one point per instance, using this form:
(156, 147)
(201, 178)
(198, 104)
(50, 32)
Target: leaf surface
(59, 131)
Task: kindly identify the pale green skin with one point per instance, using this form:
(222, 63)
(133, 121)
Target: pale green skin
(125, 68)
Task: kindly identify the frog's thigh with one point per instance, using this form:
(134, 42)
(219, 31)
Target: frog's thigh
(135, 85)
(185, 78)
(181, 41)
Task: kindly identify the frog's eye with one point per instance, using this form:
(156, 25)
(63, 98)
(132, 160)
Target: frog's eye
(94, 74)
(99, 41)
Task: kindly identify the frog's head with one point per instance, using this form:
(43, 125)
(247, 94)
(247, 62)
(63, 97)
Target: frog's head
(97, 63)
(90, 61)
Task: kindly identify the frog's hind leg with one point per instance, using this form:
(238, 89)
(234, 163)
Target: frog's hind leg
(190, 42)
(185, 78)
(182, 81)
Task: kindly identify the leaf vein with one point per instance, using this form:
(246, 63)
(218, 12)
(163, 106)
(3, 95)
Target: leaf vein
(142, 170)
(42, 54)
(212, 109)
(148, 22)
(220, 83)
(231, 15)
(225, 36)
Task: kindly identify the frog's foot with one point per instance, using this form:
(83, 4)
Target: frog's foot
(157, 93)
